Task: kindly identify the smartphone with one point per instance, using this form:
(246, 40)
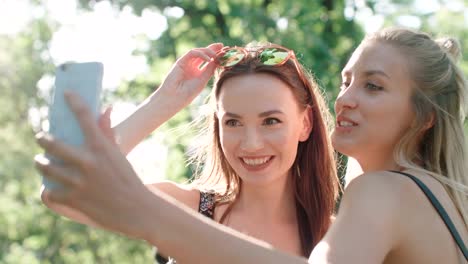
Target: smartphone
(85, 79)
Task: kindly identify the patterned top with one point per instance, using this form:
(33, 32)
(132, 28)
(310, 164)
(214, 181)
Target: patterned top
(206, 207)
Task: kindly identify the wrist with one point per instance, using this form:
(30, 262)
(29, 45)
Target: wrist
(165, 102)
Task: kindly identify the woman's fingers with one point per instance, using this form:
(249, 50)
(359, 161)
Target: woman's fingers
(59, 197)
(208, 70)
(95, 140)
(215, 48)
(60, 150)
(202, 54)
(104, 123)
(197, 60)
(210, 66)
(104, 119)
(56, 172)
(92, 134)
(209, 52)
(193, 63)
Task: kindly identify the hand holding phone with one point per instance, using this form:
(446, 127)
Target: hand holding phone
(85, 79)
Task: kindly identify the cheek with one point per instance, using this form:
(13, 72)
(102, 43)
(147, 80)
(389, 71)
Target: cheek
(229, 141)
(394, 120)
(407, 117)
(279, 137)
(224, 138)
(282, 136)
(285, 141)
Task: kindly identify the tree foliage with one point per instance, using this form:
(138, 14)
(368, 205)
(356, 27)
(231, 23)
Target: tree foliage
(318, 31)
(30, 233)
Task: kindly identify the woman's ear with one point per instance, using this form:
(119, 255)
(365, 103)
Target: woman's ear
(307, 124)
(429, 122)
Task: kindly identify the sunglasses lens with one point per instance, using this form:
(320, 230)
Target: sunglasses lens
(231, 57)
(273, 56)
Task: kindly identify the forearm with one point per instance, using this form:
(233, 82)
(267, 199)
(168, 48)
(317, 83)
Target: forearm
(184, 82)
(191, 238)
(69, 212)
(148, 116)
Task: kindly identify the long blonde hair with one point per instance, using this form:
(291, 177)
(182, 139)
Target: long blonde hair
(440, 100)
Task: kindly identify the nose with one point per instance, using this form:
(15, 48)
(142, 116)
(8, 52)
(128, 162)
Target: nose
(252, 140)
(347, 99)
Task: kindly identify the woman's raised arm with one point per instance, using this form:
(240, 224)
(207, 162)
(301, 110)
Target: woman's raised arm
(184, 82)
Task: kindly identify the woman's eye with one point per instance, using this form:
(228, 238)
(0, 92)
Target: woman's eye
(373, 87)
(271, 121)
(232, 123)
(344, 85)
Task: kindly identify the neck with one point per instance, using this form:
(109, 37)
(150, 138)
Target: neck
(377, 163)
(274, 201)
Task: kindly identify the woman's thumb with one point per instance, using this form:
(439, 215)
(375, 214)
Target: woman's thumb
(104, 123)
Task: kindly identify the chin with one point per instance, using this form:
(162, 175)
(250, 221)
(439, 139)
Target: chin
(337, 143)
(343, 147)
(260, 180)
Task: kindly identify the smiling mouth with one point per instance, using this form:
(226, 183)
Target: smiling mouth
(256, 163)
(346, 124)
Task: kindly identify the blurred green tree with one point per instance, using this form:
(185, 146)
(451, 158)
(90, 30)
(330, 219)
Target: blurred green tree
(322, 34)
(30, 233)
(317, 31)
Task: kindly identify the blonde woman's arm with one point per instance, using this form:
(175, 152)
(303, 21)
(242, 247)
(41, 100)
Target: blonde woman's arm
(99, 182)
(203, 240)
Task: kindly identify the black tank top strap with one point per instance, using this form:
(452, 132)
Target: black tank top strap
(440, 209)
(207, 203)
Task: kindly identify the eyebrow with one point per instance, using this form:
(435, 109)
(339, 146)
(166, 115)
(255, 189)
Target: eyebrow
(263, 114)
(369, 73)
(376, 72)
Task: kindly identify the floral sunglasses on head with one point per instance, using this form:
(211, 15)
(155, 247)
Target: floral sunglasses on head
(271, 55)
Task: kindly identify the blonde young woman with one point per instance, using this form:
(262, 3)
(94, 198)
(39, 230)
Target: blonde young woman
(400, 114)
(267, 151)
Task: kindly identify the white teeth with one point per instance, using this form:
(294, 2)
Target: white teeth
(255, 162)
(345, 124)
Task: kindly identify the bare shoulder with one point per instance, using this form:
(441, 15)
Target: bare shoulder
(185, 194)
(392, 186)
(377, 194)
(370, 205)
(381, 184)
(384, 195)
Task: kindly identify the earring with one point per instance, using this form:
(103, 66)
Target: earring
(298, 170)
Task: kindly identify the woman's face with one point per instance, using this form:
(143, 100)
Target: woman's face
(260, 126)
(374, 106)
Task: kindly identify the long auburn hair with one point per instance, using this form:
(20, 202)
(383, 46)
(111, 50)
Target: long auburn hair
(313, 173)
